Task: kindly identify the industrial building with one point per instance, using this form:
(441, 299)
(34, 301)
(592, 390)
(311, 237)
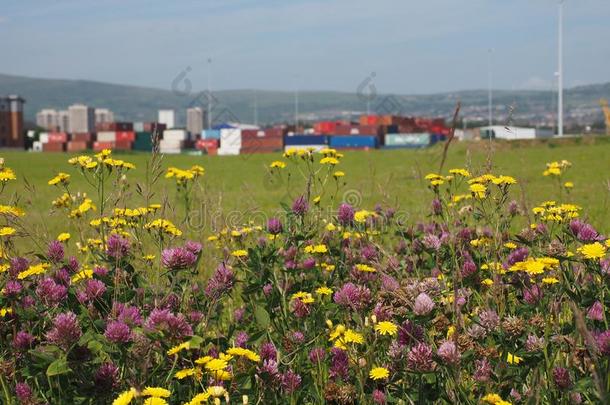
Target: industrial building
(81, 118)
(513, 133)
(11, 121)
(168, 118)
(195, 117)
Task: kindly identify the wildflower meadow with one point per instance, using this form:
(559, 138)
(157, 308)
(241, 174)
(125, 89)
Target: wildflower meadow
(483, 299)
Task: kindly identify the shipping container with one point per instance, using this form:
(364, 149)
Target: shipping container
(230, 138)
(296, 140)
(369, 120)
(43, 137)
(228, 151)
(77, 146)
(275, 132)
(176, 134)
(277, 143)
(353, 141)
(36, 146)
(106, 136)
(153, 126)
(114, 126)
(99, 146)
(122, 145)
(419, 140)
(58, 137)
(53, 147)
(81, 136)
(129, 136)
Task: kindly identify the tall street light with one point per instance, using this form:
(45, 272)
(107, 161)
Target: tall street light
(560, 72)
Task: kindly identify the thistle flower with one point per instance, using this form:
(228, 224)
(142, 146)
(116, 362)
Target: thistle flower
(12, 288)
(24, 393)
(194, 247)
(317, 355)
(482, 371)
(603, 342)
(420, 358)
(66, 330)
(489, 319)
(345, 214)
(174, 326)
(268, 351)
(352, 296)
(23, 340)
(423, 304)
(118, 332)
(339, 368)
(50, 292)
(274, 226)
(55, 251)
(596, 311)
(410, 333)
(562, 379)
(241, 338)
(106, 377)
(448, 352)
(221, 281)
(290, 381)
(117, 247)
(300, 206)
(178, 258)
(378, 397)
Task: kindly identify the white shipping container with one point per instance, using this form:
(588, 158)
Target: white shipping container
(106, 136)
(228, 151)
(176, 134)
(36, 146)
(43, 137)
(138, 126)
(508, 133)
(171, 144)
(230, 137)
(170, 151)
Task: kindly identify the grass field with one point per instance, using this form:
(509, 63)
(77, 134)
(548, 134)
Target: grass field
(240, 186)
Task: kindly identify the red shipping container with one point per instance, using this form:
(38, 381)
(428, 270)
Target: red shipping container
(58, 137)
(53, 147)
(152, 126)
(99, 146)
(122, 145)
(212, 151)
(77, 146)
(81, 136)
(202, 144)
(129, 136)
(275, 132)
(370, 130)
(274, 142)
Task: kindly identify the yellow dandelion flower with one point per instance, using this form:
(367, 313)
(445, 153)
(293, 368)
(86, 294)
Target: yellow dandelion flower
(33, 270)
(64, 236)
(187, 372)
(177, 349)
(61, 177)
(154, 401)
(216, 365)
(386, 328)
(7, 231)
(549, 280)
(324, 291)
(239, 253)
(478, 190)
(241, 352)
(338, 174)
(361, 215)
(156, 392)
(592, 251)
(365, 268)
(329, 161)
(379, 373)
(125, 397)
(487, 282)
(5, 311)
(278, 164)
(513, 358)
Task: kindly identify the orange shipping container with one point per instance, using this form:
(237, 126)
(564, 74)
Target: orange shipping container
(53, 147)
(99, 146)
(77, 146)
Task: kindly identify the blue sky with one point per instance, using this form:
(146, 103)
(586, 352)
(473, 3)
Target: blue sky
(421, 46)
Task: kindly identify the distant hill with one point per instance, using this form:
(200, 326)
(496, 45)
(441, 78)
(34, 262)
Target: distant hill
(141, 104)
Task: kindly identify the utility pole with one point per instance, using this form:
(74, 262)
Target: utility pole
(560, 73)
(489, 88)
(209, 93)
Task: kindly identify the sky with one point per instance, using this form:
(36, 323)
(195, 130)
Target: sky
(406, 46)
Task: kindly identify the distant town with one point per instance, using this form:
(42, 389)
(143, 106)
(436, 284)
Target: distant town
(80, 127)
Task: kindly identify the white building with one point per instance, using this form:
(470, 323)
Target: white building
(63, 121)
(103, 115)
(195, 118)
(168, 118)
(81, 118)
(513, 133)
(48, 119)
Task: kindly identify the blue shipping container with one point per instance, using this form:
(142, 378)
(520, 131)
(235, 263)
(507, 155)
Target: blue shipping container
(210, 134)
(353, 141)
(305, 140)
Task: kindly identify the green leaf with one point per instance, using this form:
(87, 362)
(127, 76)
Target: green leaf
(262, 317)
(195, 341)
(58, 367)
